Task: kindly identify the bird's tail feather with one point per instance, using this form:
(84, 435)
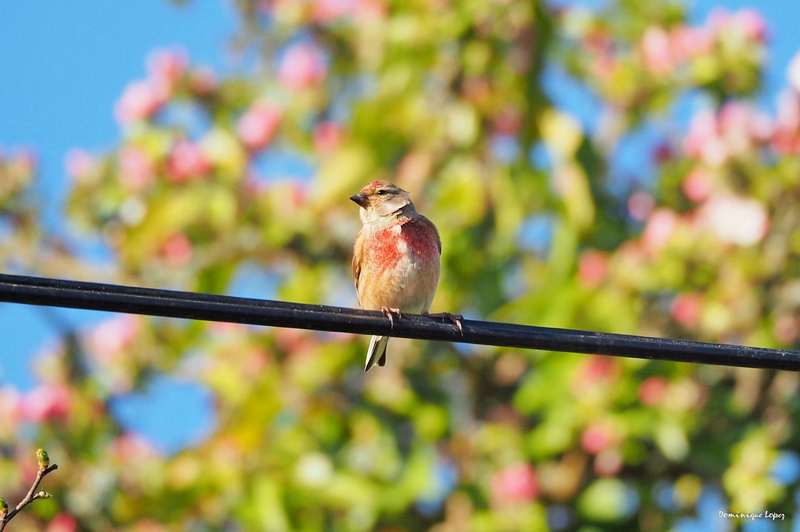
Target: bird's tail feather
(376, 354)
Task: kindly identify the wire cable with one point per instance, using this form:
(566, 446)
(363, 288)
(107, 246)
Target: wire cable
(209, 307)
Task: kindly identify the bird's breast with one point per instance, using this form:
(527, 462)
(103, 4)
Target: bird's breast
(400, 268)
(408, 241)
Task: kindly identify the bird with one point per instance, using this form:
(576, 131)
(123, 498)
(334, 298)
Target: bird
(396, 259)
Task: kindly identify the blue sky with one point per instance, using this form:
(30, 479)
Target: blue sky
(64, 64)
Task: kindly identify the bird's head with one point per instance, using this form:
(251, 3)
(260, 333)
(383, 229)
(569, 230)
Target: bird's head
(381, 199)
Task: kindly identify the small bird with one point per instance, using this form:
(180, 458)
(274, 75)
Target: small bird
(395, 258)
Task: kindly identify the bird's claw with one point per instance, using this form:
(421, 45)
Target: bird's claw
(455, 318)
(389, 313)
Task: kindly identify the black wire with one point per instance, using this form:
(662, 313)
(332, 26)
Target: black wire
(209, 307)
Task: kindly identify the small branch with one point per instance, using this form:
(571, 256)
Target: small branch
(44, 469)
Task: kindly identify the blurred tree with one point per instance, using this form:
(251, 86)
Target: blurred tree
(220, 181)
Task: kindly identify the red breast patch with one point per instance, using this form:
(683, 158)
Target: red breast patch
(412, 239)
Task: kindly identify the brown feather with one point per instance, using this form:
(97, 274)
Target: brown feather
(358, 252)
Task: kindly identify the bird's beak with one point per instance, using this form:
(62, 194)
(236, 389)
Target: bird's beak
(360, 199)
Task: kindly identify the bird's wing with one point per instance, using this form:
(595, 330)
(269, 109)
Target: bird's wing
(429, 224)
(358, 252)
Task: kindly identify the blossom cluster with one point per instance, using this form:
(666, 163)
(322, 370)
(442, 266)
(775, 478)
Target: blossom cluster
(668, 55)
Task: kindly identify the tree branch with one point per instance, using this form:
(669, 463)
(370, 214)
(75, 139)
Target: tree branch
(44, 469)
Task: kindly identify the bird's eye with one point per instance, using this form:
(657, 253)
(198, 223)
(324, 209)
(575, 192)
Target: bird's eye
(381, 192)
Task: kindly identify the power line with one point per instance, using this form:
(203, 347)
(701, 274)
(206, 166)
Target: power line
(209, 307)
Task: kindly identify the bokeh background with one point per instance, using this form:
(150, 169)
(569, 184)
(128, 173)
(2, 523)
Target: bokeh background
(616, 166)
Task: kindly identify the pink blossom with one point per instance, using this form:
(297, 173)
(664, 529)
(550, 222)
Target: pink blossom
(785, 142)
(789, 109)
(177, 250)
(734, 114)
(735, 219)
(10, 409)
(167, 66)
(294, 341)
(653, 390)
(131, 448)
(793, 73)
(786, 329)
(592, 267)
(687, 308)
(47, 402)
(302, 66)
(507, 121)
(737, 126)
(703, 140)
(370, 11)
(223, 327)
(761, 127)
(608, 463)
(62, 522)
(697, 185)
(659, 229)
(297, 193)
(112, 337)
(596, 369)
(786, 131)
(689, 42)
(327, 136)
(186, 161)
(605, 65)
(715, 152)
(640, 205)
(597, 437)
(702, 129)
(515, 484)
(140, 101)
(330, 10)
(656, 51)
(79, 164)
(255, 361)
(750, 23)
(258, 124)
(597, 40)
(136, 168)
(718, 19)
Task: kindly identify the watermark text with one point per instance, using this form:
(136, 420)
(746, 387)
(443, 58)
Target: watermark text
(752, 515)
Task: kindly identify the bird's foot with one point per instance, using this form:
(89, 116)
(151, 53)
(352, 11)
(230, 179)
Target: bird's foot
(455, 318)
(389, 313)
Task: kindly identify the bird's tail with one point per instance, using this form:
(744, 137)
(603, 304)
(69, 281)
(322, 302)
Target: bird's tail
(376, 352)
